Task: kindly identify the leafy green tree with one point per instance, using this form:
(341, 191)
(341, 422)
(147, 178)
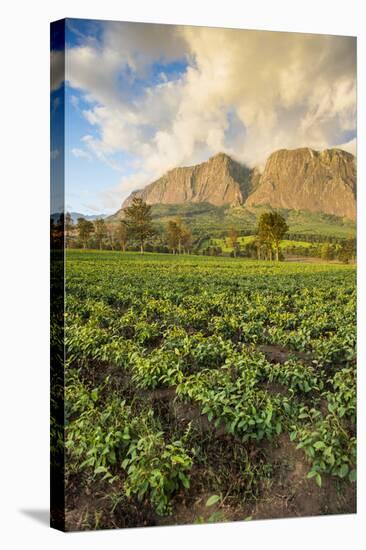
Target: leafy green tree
(271, 229)
(172, 234)
(111, 235)
(233, 240)
(327, 252)
(100, 230)
(263, 247)
(186, 239)
(178, 236)
(122, 234)
(347, 251)
(69, 224)
(139, 221)
(85, 229)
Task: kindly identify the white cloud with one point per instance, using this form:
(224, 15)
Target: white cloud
(81, 153)
(285, 90)
(74, 100)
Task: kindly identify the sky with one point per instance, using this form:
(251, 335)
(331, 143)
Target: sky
(141, 99)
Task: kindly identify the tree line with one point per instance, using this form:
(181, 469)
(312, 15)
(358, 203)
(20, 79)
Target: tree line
(136, 231)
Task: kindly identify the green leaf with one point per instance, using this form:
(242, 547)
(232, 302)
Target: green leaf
(212, 500)
(215, 517)
(343, 470)
(176, 459)
(293, 436)
(319, 445)
(352, 475)
(184, 479)
(100, 469)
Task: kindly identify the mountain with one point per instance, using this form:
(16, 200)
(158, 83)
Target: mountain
(304, 179)
(90, 217)
(298, 179)
(220, 180)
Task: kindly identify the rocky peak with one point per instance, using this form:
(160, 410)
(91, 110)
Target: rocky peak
(220, 180)
(299, 179)
(305, 179)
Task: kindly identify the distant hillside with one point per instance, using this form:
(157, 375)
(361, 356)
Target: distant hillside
(299, 179)
(90, 217)
(215, 221)
(75, 215)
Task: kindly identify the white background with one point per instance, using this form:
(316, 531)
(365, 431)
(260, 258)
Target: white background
(24, 185)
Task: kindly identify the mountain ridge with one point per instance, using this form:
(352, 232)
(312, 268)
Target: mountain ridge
(298, 179)
(219, 180)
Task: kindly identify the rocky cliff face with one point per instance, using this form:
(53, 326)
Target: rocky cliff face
(299, 179)
(220, 180)
(304, 179)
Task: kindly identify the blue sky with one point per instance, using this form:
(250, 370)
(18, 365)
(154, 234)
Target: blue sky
(141, 99)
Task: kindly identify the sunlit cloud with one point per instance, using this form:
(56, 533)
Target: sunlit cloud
(246, 93)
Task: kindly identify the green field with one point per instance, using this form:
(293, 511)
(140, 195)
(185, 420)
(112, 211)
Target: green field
(207, 389)
(285, 244)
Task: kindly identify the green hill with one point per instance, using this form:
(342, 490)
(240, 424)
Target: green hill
(215, 221)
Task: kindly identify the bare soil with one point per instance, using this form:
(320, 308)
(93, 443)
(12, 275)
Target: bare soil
(278, 354)
(275, 485)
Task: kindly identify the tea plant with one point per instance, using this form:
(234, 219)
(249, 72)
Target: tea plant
(157, 469)
(193, 327)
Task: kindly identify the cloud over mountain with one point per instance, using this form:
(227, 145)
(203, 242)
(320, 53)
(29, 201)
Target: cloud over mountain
(170, 96)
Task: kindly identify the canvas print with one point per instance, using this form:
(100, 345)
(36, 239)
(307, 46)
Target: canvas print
(203, 275)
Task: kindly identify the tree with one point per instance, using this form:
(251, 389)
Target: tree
(85, 229)
(327, 252)
(271, 230)
(69, 228)
(233, 240)
(69, 224)
(347, 251)
(138, 220)
(122, 234)
(263, 247)
(172, 233)
(178, 236)
(111, 234)
(100, 230)
(186, 239)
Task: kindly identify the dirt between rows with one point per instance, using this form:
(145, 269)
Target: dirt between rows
(290, 493)
(278, 354)
(286, 493)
